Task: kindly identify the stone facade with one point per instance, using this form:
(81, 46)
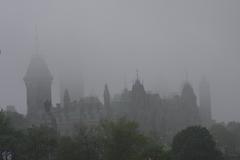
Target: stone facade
(164, 117)
(87, 111)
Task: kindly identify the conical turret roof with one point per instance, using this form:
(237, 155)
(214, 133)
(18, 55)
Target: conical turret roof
(38, 70)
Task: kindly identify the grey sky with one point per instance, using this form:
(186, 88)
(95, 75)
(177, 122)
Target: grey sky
(105, 41)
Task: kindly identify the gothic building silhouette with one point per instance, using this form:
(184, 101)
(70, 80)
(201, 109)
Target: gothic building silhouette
(161, 116)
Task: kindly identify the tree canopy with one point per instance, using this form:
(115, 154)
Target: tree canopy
(195, 143)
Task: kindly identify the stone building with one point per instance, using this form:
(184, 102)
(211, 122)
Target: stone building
(205, 103)
(64, 118)
(87, 111)
(38, 81)
(155, 115)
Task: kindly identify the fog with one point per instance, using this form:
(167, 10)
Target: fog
(96, 42)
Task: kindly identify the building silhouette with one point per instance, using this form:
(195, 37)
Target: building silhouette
(161, 116)
(38, 81)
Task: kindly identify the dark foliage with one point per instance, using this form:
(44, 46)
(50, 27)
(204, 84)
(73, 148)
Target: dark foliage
(110, 140)
(195, 143)
(227, 137)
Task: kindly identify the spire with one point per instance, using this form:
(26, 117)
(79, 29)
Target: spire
(36, 40)
(66, 98)
(137, 81)
(106, 96)
(107, 99)
(137, 74)
(138, 88)
(186, 76)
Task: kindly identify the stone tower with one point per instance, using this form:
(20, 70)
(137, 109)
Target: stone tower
(138, 108)
(66, 99)
(38, 81)
(188, 96)
(205, 103)
(138, 94)
(189, 106)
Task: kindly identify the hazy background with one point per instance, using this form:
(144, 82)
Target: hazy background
(105, 41)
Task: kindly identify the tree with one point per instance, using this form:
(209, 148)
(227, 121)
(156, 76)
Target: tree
(234, 128)
(41, 143)
(224, 138)
(227, 138)
(17, 120)
(67, 149)
(11, 139)
(195, 143)
(83, 145)
(155, 151)
(122, 140)
(4, 123)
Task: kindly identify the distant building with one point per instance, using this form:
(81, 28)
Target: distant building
(38, 81)
(164, 117)
(189, 106)
(205, 103)
(155, 115)
(87, 111)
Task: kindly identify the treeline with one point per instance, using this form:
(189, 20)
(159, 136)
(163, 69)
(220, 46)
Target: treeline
(227, 137)
(110, 140)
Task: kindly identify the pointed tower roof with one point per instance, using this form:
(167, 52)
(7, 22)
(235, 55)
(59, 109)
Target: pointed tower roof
(38, 70)
(137, 82)
(188, 93)
(187, 89)
(106, 91)
(138, 86)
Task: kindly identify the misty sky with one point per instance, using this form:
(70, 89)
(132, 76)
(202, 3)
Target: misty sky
(105, 41)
